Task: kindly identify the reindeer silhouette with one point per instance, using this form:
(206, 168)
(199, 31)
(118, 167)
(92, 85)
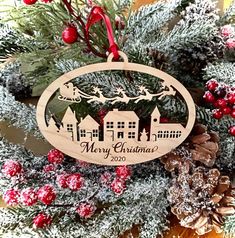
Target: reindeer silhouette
(101, 98)
(124, 98)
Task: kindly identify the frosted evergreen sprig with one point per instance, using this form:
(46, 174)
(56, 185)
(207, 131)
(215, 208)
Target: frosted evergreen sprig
(143, 202)
(14, 80)
(146, 23)
(229, 226)
(223, 72)
(198, 10)
(10, 41)
(18, 114)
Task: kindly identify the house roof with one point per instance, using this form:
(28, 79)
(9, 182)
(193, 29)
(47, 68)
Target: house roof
(156, 112)
(121, 115)
(69, 116)
(88, 122)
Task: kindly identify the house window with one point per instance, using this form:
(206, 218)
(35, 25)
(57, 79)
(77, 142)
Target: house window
(166, 134)
(132, 124)
(120, 124)
(83, 133)
(178, 134)
(172, 134)
(69, 127)
(109, 124)
(131, 135)
(160, 134)
(95, 133)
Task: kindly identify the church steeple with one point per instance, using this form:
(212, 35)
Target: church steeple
(155, 116)
(155, 121)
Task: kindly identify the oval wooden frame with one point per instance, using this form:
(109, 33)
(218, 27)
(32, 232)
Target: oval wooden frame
(110, 65)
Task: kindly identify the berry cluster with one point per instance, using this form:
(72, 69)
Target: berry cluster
(29, 196)
(228, 34)
(71, 181)
(118, 184)
(42, 220)
(222, 97)
(46, 194)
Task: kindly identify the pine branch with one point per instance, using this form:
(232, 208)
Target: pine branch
(223, 72)
(14, 81)
(18, 114)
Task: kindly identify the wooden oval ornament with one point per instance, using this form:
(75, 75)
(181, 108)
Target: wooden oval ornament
(119, 140)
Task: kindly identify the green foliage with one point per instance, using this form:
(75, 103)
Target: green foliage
(229, 226)
(10, 41)
(143, 202)
(18, 114)
(223, 72)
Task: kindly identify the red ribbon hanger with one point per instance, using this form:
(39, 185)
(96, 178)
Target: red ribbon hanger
(97, 14)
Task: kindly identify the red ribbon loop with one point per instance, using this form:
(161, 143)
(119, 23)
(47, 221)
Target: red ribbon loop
(97, 14)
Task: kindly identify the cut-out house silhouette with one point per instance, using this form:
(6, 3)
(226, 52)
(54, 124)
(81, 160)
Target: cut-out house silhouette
(118, 126)
(121, 125)
(87, 129)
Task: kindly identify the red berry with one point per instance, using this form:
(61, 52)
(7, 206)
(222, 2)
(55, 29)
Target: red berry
(75, 182)
(227, 31)
(62, 180)
(226, 110)
(49, 168)
(70, 35)
(83, 164)
(230, 43)
(119, 23)
(102, 114)
(118, 186)
(222, 103)
(46, 194)
(217, 114)
(105, 178)
(42, 220)
(86, 210)
(11, 168)
(30, 2)
(164, 120)
(123, 172)
(220, 91)
(232, 130)
(209, 97)
(231, 98)
(11, 197)
(55, 156)
(212, 85)
(233, 113)
(28, 196)
(215, 104)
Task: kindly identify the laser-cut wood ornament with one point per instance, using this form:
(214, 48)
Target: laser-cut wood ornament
(118, 140)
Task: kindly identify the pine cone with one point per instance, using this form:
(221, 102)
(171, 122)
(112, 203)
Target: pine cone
(204, 145)
(179, 159)
(194, 59)
(160, 59)
(202, 200)
(201, 146)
